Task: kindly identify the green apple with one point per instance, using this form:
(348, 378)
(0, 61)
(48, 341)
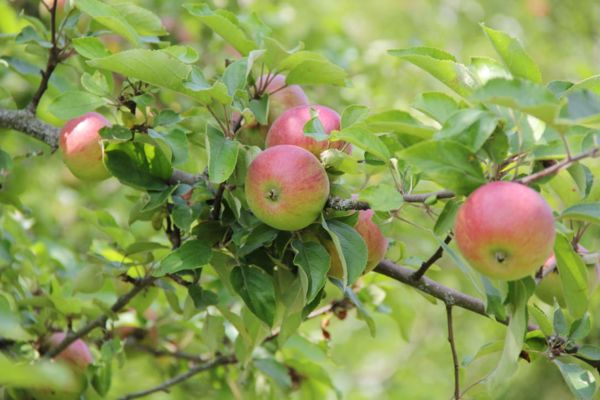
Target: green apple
(505, 230)
(286, 187)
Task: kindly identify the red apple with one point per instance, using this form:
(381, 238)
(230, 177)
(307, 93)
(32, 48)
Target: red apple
(81, 146)
(286, 187)
(376, 244)
(281, 98)
(505, 230)
(289, 129)
(77, 354)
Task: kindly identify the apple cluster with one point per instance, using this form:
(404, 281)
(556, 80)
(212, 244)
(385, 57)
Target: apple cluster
(287, 186)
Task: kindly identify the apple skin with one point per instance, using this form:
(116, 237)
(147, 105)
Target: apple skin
(81, 146)
(286, 187)
(77, 354)
(376, 243)
(281, 100)
(289, 129)
(505, 230)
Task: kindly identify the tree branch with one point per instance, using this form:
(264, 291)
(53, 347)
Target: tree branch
(25, 122)
(216, 211)
(101, 320)
(418, 274)
(593, 152)
(339, 204)
(453, 350)
(223, 360)
(420, 198)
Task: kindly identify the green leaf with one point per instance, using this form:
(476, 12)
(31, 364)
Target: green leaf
(191, 255)
(314, 259)
(573, 276)
(583, 177)
(110, 17)
(156, 67)
(177, 141)
(10, 327)
(29, 34)
(589, 212)
(354, 114)
(469, 127)
(136, 164)
(90, 47)
(222, 155)
(185, 54)
(42, 374)
(399, 122)
(227, 28)
(74, 103)
(275, 370)
(485, 68)
(382, 197)
(437, 105)
(580, 381)
(580, 329)
(521, 95)
(202, 298)
(542, 320)
(360, 136)
(316, 72)
(350, 246)
(518, 62)
(559, 322)
(260, 109)
(234, 76)
(515, 337)
(448, 163)
(445, 221)
(314, 128)
(589, 352)
(362, 312)
(256, 288)
(96, 84)
(440, 65)
(167, 117)
(145, 22)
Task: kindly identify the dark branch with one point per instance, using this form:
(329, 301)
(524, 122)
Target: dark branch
(101, 320)
(223, 360)
(216, 211)
(418, 274)
(53, 61)
(453, 350)
(420, 198)
(593, 152)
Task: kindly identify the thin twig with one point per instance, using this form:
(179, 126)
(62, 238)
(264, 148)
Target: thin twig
(593, 152)
(418, 274)
(420, 198)
(101, 320)
(223, 360)
(53, 61)
(216, 211)
(454, 354)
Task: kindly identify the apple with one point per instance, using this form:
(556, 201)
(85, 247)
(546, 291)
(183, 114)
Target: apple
(81, 146)
(550, 285)
(77, 357)
(286, 187)
(376, 244)
(77, 354)
(505, 230)
(281, 97)
(289, 129)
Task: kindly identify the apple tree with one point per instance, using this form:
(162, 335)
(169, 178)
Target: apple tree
(252, 210)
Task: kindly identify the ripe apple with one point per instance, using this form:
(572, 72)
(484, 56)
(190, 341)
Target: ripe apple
(77, 354)
(81, 146)
(376, 244)
(286, 187)
(505, 230)
(289, 129)
(281, 98)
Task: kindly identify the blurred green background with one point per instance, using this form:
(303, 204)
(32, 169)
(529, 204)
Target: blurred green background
(409, 358)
